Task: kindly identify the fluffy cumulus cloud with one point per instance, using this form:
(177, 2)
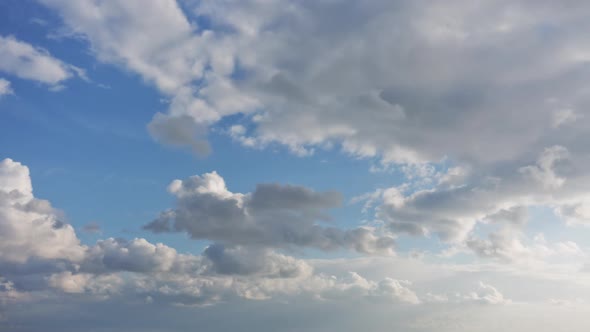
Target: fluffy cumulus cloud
(30, 227)
(26, 61)
(271, 216)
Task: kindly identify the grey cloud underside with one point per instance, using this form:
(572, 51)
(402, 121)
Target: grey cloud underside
(176, 131)
(271, 216)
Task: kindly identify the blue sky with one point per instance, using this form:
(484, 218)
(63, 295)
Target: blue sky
(425, 161)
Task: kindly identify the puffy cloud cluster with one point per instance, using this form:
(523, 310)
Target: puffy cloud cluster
(262, 262)
(487, 294)
(39, 251)
(271, 216)
(385, 289)
(457, 203)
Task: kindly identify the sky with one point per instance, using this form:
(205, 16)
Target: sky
(274, 165)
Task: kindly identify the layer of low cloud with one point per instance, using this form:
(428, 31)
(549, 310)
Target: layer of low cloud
(37, 271)
(41, 253)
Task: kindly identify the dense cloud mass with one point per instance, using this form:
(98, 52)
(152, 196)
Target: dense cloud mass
(403, 80)
(273, 215)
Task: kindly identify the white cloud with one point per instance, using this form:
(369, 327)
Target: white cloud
(84, 282)
(5, 88)
(543, 171)
(564, 116)
(452, 210)
(484, 294)
(487, 294)
(28, 62)
(148, 39)
(420, 92)
(30, 227)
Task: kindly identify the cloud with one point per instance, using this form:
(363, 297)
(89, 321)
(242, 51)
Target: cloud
(509, 244)
(484, 294)
(544, 170)
(243, 261)
(146, 39)
(30, 227)
(487, 294)
(117, 277)
(5, 88)
(482, 107)
(451, 210)
(137, 255)
(179, 131)
(387, 288)
(41, 255)
(28, 62)
(85, 283)
(564, 116)
(273, 215)
(421, 96)
(410, 95)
